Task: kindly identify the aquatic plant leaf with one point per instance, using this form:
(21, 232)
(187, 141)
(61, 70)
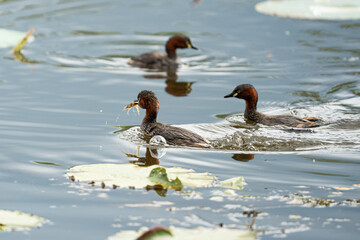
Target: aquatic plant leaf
(18, 221)
(48, 163)
(23, 41)
(234, 183)
(190, 234)
(344, 188)
(9, 38)
(159, 176)
(130, 175)
(312, 9)
(311, 201)
(155, 233)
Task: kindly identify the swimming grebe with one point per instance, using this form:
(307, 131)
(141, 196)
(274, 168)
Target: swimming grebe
(160, 60)
(173, 135)
(249, 94)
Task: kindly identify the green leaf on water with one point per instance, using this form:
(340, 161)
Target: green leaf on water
(18, 221)
(23, 41)
(155, 233)
(48, 163)
(159, 176)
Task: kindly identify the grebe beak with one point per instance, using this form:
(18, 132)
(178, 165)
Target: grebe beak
(231, 95)
(189, 45)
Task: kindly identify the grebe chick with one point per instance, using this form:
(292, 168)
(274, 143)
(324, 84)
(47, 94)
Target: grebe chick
(160, 60)
(173, 135)
(249, 94)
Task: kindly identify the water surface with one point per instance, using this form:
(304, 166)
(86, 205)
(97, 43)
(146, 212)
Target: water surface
(63, 105)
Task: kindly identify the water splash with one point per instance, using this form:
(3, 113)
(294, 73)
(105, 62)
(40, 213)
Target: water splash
(234, 133)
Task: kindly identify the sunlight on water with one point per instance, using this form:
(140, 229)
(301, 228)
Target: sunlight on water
(61, 106)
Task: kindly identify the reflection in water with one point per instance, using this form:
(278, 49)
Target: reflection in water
(319, 40)
(242, 157)
(348, 86)
(159, 189)
(177, 89)
(151, 157)
(195, 2)
(21, 58)
(252, 214)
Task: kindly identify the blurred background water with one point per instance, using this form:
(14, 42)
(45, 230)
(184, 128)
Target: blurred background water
(62, 106)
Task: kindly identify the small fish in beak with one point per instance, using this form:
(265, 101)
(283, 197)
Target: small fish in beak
(131, 105)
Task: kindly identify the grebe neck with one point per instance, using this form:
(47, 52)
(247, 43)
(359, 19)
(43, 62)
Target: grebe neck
(250, 106)
(170, 49)
(151, 112)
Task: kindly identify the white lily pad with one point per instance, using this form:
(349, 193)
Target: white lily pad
(130, 175)
(18, 221)
(312, 9)
(344, 188)
(134, 176)
(9, 38)
(189, 234)
(235, 183)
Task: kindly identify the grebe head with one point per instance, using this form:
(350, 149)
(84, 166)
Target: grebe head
(244, 91)
(180, 41)
(147, 100)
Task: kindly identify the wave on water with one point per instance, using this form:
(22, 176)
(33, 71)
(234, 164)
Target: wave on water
(235, 134)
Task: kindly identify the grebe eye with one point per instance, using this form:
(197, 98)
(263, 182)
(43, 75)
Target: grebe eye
(188, 44)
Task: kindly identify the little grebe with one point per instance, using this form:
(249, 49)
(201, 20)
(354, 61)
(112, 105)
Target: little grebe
(160, 60)
(249, 94)
(173, 135)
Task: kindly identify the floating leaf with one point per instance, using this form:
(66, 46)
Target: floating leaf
(23, 41)
(312, 9)
(17, 221)
(155, 233)
(312, 201)
(190, 234)
(159, 176)
(150, 204)
(9, 38)
(130, 175)
(344, 188)
(48, 163)
(235, 183)
(217, 198)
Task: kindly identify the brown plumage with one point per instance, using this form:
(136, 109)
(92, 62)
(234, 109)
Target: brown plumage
(173, 135)
(249, 94)
(160, 60)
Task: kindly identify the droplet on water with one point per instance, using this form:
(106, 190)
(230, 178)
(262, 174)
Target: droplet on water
(157, 140)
